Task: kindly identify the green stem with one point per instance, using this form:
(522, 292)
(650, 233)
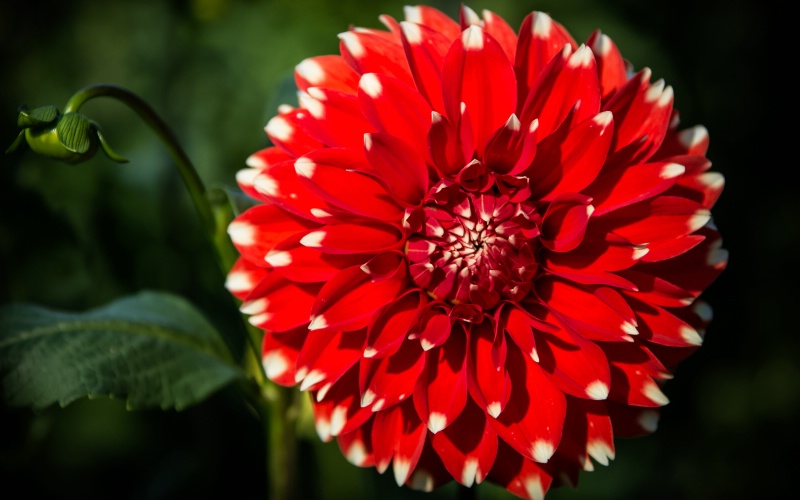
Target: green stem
(277, 405)
(194, 184)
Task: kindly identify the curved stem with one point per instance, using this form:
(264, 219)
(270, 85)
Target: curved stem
(187, 171)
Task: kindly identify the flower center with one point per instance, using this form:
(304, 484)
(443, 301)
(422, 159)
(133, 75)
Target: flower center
(472, 247)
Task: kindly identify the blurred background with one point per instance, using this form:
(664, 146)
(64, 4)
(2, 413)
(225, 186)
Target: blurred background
(76, 237)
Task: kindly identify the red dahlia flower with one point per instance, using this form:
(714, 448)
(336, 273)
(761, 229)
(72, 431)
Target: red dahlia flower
(480, 251)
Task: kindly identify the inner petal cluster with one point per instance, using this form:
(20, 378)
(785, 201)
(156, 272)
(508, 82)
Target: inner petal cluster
(473, 247)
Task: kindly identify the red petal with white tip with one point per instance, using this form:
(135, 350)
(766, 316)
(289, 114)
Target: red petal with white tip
(475, 67)
(595, 261)
(429, 473)
(425, 50)
(662, 327)
(387, 381)
(591, 434)
(285, 132)
(378, 96)
(489, 383)
(433, 19)
(570, 81)
(533, 419)
(328, 72)
(540, 38)
(632, 421)
(370, 53)
(296, 262)
(356, 445)
(338, 411)
(332, 117)
(634, 371)
(258, 162)
(441, 392)
(610, 65)
(573, 305)
(499, 29)
(350, 298)
(333, 175)
(569, 160)
(367, 237)
(279, 351)
(399, 165)
(636, 183)
(390, 327)
(564, 223)
(278, 304)
(448, 152)
(326, 356)
(256, 231)
(243, 277)
(467, 447)
(520, 476)
(398, 436)
(692, 141)
(280, 185)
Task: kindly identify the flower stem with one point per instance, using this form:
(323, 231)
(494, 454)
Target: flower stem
(280, 420)
(224, 253)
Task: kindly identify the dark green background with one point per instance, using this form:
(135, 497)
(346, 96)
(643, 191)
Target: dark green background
(74, 237)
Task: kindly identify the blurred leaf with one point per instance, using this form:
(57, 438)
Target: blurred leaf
(153, 348)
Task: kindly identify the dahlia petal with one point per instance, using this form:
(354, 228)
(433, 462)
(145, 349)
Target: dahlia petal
(398, 436)
(570, 159)
(540, 38)
(511, 148)
(520, 476)
(634, 371)
(448, 151)
(499, 29)
(326, 356)
(564, 223)
(278, 304)
(429, 473)
(393, 26)
(327, 72)
(257, 230)
(668, 249)
(572, 304)
(390, 327)
(301, 264)
(690, 141)
(574, 365)
(660, 326)
(590, 434)
(400, 166)
(384, 382)
(533, 418)
(279, 352)
(257, 162)
(353, 238)
(433, 19)
(518, 325)
(641, 117)
(356, 445)
(243, 277)
(636, 183)
(332, 117)
(611, 66)
(378, 96)
(568, 84)
(280, 185)
(370, 53)
(631, 421)
(489, 383)
(285, 133)
(596, 260)
(694, 270)
(350, 298)
(338, 411)
(468, 446)
(333, 175)
(441, 392)
(476, 67)
(425, 50)
(654, 220)
(704, 187)
(656, 290)
(435, 326)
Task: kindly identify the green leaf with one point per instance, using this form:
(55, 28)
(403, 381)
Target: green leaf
(74, 132)
(154, 349)
(38, 116)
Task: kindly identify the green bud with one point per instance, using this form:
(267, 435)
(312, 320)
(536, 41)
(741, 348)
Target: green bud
(71, 137)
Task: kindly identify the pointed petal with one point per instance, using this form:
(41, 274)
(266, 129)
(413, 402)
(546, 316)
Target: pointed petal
(243, 277)
(636, 183)
(610, 64)
(328, 72)
(476, 67)
(364, 237)
(280, 185)
(332, 117)
(433, 19)
(390, 327)
(257, 230)
(398, 436)
(284, 132)
(356, 445)
(489, 383)
(279, 351)
(634, 371)
(338, 411)
(468, 446)
(564, 223)
(399, 165)
(520, 476)
(384, 382)
(367, 52)
(326, 356)
(425, 50)
(441, 392)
